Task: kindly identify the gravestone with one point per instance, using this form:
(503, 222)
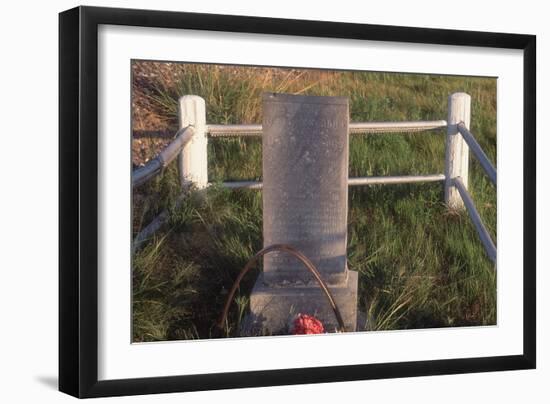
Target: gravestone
(305, 202)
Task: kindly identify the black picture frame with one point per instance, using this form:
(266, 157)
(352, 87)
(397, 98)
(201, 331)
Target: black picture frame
(78, 200)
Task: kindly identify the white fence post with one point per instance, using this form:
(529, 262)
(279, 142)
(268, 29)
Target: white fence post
(193, 159)
(457, 152)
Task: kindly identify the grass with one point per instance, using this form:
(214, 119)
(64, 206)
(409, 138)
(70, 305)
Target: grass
(419, 264)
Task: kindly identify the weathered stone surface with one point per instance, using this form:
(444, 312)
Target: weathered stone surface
(305, 200)
(305, 191)
(273, 308)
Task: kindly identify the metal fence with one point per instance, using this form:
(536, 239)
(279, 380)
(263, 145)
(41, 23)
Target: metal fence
(191, 141)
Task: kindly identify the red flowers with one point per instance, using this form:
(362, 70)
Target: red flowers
(305, 324)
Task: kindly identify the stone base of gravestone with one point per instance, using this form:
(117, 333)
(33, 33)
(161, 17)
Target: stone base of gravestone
(273, 307)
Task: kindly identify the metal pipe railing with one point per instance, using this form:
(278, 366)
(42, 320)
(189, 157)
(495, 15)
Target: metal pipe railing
(400, 179)
(478, 152)
(354, 128)
(484, 235)
(354, 181)
(155, 166)
(243, 184)
(395, 127)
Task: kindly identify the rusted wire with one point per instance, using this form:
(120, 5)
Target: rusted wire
(303, 259)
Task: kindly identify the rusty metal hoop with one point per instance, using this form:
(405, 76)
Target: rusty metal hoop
(303, 259)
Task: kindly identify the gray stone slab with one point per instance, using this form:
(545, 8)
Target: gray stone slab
(272, 308)
(305, 190)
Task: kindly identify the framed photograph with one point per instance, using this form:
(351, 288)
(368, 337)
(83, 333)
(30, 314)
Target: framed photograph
(251, 201)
